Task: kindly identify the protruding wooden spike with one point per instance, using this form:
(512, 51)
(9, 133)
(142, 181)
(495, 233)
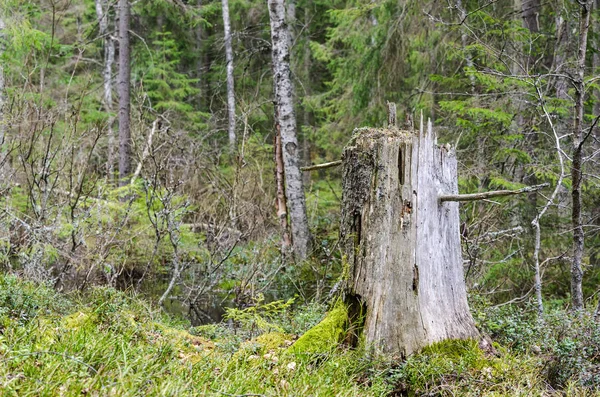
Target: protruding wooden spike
(430, 129)
(421, 125)
(391, 114)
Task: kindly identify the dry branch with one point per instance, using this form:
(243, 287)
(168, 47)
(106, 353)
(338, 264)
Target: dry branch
(488, 195)
(321, 166)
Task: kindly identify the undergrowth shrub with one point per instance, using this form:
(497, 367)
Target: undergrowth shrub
(568, 343)
(22, 301)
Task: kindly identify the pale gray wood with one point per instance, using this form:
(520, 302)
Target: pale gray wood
(286, 118)
(491, 194)
(401, 244)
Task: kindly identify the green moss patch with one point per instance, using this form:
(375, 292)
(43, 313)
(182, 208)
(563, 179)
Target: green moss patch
(325, 336)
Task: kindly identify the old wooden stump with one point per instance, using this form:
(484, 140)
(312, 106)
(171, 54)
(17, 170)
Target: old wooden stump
(401, 242)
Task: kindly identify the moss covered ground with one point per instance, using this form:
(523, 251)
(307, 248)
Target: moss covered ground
(108, 343)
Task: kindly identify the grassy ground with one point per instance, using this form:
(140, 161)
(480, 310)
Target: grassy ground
(111, 344)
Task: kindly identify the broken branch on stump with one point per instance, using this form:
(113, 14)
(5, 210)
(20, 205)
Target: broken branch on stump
(488, 195)
(321, 166)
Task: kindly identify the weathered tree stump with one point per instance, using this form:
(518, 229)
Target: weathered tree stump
(401, 242)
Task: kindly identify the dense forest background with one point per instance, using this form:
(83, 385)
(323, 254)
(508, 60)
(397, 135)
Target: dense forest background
(158, 235)
(510, 84)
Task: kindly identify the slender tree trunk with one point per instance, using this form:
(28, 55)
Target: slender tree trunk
(124, 86)
(530, 10)
(596, 69)
(576, 168)
(2, 100)
(109, 60)
(560, 55)
(530, 13)
(230, 86)
(286, 119)
(199, 33)
(596, 64)
(308, 117)
(462, 14)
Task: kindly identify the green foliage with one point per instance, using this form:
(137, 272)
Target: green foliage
(166, 87)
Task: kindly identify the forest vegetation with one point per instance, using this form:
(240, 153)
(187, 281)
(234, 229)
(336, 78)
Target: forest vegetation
(166, 229)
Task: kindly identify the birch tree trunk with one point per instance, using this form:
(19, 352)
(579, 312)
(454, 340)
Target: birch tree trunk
(401, 243)
(124, 86)
(286, 118)
(230, 82)
(576, 168)
(109, 60)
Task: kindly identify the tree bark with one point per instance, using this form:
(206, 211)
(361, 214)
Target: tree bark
(530, 14)
(124, 86)
(576, 168)
(286, 242)
(286, 118)
(230, 81)
(462, 14)
(530, 11)
(109, 59)
(596, 63)
(2, 100)
(199, 69)
(560, 56)
(401, 244)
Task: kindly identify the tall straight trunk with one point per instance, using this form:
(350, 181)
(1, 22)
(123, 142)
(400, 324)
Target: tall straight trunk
(124, 87)
(2, 88)
(199, 33)
(560, 55)
(596, 64)
(230, 87)
(307, 113)
(530, 13)
(596, 70)
(462, 14)
(286, 118)
(109, 60)
(530, 10)
(576, 168)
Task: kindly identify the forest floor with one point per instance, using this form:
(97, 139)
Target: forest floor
(108, 343)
